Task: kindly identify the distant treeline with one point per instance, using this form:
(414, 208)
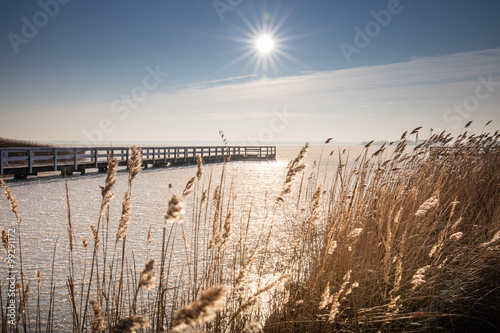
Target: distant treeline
(6, 142)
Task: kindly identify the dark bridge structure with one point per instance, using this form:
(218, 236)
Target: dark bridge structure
(29, 161)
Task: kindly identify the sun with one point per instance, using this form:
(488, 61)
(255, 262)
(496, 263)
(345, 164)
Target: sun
(264, 44)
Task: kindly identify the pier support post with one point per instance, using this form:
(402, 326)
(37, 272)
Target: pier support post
(31, 160)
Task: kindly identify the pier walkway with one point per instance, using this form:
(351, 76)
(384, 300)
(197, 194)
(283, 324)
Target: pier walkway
(23, 162)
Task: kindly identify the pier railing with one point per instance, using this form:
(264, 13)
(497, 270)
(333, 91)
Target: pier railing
(29, 161)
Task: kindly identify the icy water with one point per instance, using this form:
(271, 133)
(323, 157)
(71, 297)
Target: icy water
(42, 206)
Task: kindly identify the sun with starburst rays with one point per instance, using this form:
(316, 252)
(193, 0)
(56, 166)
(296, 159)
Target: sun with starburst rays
(265, 44)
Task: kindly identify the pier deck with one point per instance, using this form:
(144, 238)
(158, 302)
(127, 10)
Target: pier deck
(23, 162)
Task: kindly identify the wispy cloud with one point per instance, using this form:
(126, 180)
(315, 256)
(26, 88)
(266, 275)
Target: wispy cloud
(351, 104)
(394, 96)
(211, 83)
(242, 116)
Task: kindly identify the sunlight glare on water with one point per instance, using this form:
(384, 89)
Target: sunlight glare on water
(42, 205)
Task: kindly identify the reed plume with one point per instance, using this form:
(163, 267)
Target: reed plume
(294, 167)
(175, 209)
(242, 277)
(332, 245)
(98, 323)
(125, 217)
(199, 163)
(130, 324)
(415, 130)
(418, 277)
(253, 299)
(109, 183)
(227, 231)
(201, 311)
(24, 299)
(216, 236)
(400, 147)
(223, 137)
(134, 167)
(454, 226)
(12, 199)
(493, 240)
(334, 310)
(427, 205)
(316, 203)
(150, 236)
(189, 187)
(380, 150)
(5, 239)
(326, 298)
(216, 196)
(226, 148)
(456, 236)
(252, 327)
(95, 235)
(148, 275)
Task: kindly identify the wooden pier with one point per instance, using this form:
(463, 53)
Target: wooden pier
(23, 162)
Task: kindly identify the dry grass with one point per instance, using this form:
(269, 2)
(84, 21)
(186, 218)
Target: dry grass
(7, 143)
(417, 232)
(402, 242)
(203, 310)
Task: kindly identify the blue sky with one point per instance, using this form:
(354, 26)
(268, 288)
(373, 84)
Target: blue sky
(96, 72)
